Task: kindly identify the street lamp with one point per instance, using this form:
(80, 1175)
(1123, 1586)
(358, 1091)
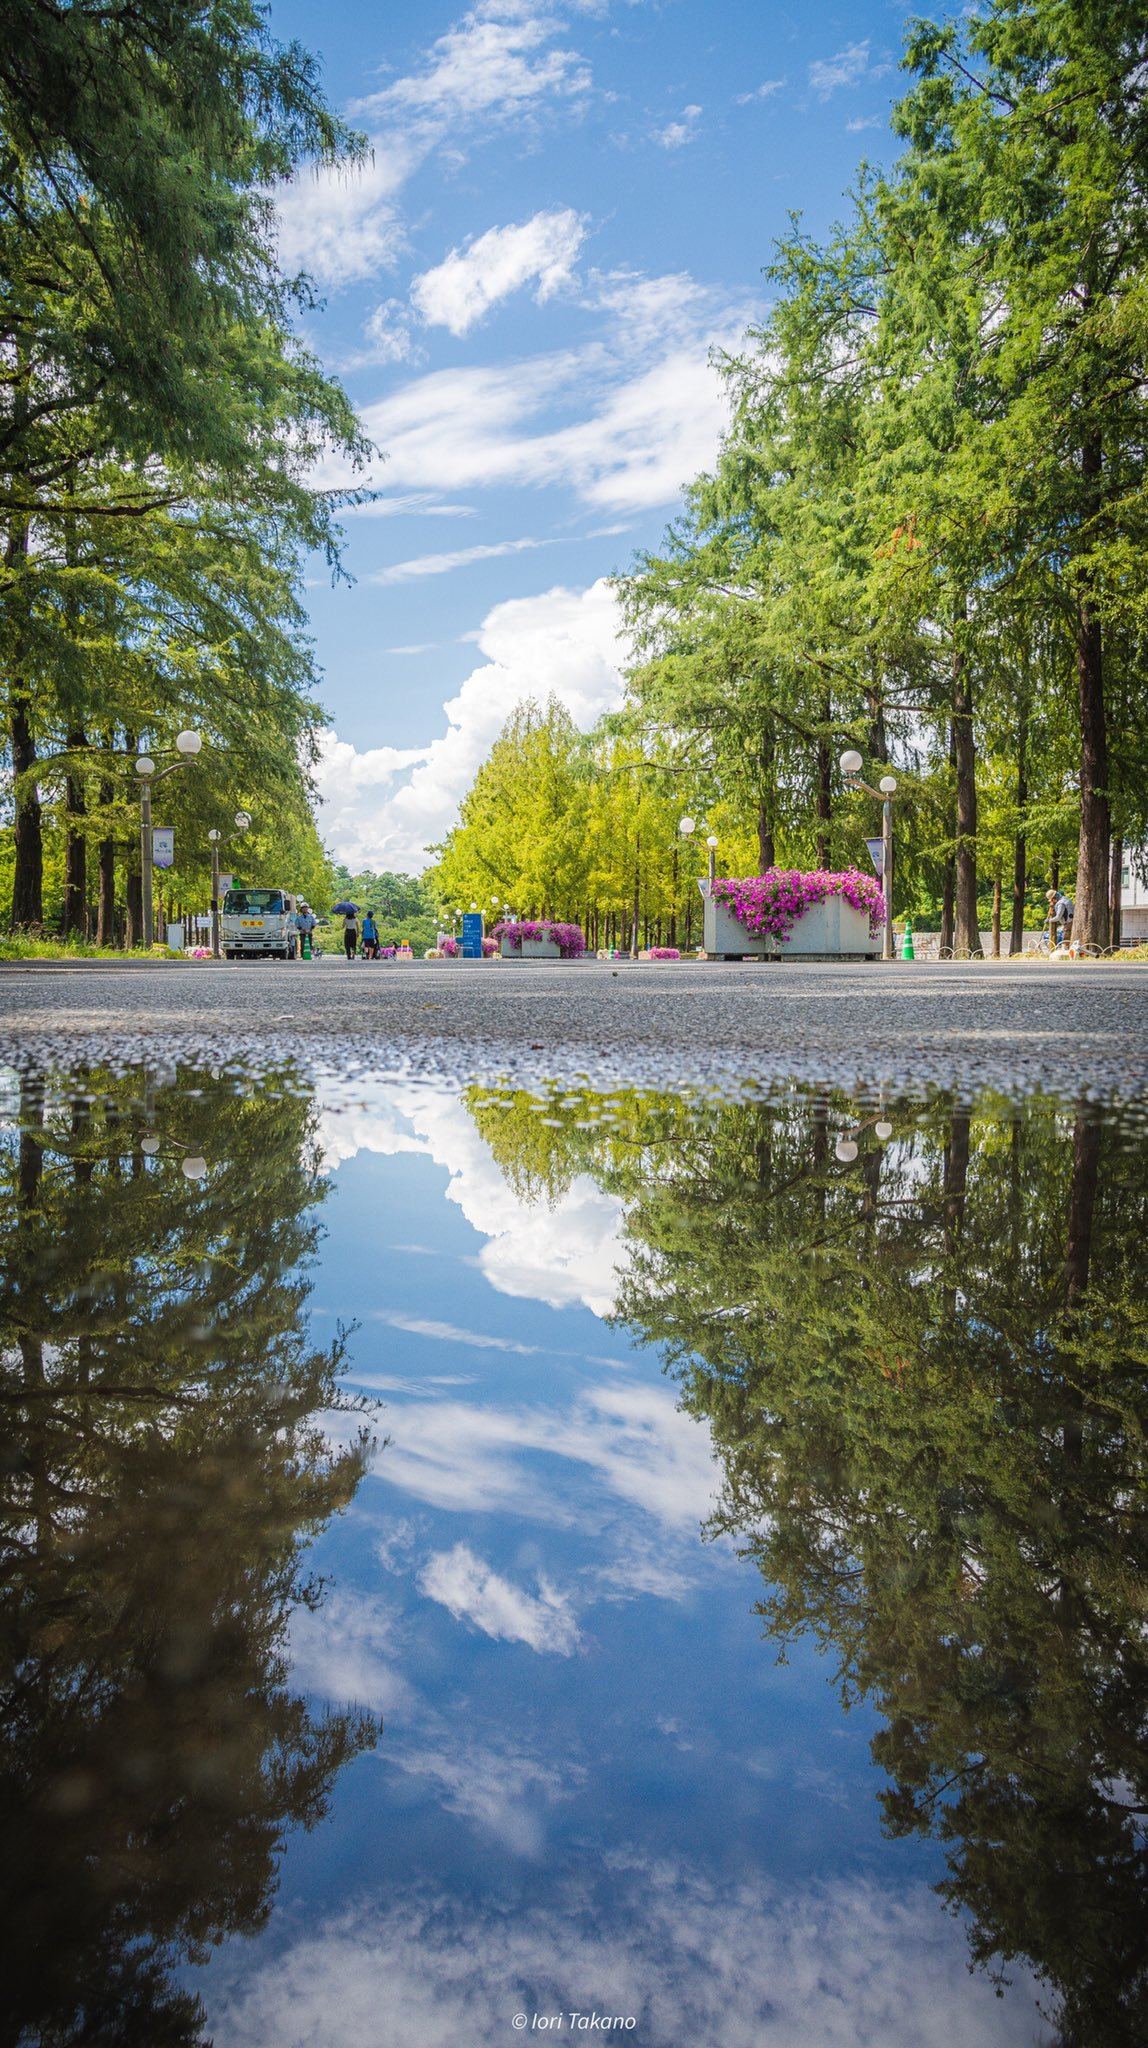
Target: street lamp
(215, 839)
(851, 766)
(712, 843)
(188, 744)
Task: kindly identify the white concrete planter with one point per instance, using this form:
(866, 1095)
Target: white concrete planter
(832, 930)
(531, 949)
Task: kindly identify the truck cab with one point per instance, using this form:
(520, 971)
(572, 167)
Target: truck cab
(258, 921)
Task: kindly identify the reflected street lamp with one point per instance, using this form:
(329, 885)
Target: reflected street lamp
(851, 766)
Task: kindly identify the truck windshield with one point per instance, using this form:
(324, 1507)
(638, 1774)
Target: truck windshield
(244, 900)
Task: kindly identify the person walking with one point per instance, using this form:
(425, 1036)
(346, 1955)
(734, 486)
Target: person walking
(370, 936)
(350, 933)
(1064, 911)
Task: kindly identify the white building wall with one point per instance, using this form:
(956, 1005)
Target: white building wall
(1134, 895)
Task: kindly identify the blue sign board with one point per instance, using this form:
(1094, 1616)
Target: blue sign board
(472, 935)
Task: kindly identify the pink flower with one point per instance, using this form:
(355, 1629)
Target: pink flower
(772, 903)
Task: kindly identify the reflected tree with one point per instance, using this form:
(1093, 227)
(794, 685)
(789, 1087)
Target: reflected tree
(918, 1339)
(164, 1470)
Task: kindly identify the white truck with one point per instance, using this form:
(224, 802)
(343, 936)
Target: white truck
(258, 921)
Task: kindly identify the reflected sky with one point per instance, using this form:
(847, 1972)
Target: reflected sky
(606, 1780)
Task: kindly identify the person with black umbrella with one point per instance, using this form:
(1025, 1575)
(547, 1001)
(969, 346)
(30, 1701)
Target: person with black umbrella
(349, 912)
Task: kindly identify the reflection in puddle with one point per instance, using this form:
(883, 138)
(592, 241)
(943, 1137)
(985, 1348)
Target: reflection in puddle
(885, 1357)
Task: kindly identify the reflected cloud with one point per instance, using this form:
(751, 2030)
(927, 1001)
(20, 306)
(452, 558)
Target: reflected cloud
(473, 1591)
(449, 1333)
(642, 1447)
(345, 1652)
(730, 1965)
(505, 1791)
(571, 1254)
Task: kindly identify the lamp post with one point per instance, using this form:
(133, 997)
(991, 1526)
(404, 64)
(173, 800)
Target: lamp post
(215, 837)
(188, 744)
(712, 844)
(851, 766)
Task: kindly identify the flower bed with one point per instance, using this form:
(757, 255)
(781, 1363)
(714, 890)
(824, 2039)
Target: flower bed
(448, 947)
(570, 939)
(489, 948)
(769, 905)
(664, 953)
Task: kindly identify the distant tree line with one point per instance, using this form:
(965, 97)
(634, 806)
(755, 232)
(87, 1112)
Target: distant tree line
(159, 426)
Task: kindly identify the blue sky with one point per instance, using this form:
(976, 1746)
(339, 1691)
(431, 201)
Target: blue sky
(568, 206)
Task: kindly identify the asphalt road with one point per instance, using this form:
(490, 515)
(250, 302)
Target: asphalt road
(1066, 1027)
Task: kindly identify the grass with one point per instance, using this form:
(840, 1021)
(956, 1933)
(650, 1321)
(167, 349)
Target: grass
(1132, 952)
(19, 946)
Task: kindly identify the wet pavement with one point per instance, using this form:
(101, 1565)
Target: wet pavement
(1013, 1027)
(478, 1558)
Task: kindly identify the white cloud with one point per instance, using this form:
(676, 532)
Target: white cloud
(470, 1459)
(540, 251)
(494, 63)
(456, 558)
(472, 1591)
(384, 806)
(765, 91)
(733, 1963)
(624, 420)
(676, 133)
(389, 337)
(345, 1650)
(409, 504)
(506, 1791)
(343, 224)
(859, 125)
(449, 1333)
(848, 67)
(648, 406)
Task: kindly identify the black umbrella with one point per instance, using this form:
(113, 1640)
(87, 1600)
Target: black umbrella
(344, 910)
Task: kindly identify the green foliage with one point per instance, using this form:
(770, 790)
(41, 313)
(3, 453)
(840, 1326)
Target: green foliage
(560, 824)
(925, 533)
(160, 424)
(405, 906)
(925, 1372)
(167, 1468)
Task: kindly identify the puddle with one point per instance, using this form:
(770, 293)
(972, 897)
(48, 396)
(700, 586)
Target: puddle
(496, 1556)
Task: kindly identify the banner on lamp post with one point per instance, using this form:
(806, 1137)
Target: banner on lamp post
(877, 856)
(226, 882)
(162, 847)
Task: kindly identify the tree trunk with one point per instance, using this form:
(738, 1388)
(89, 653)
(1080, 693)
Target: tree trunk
(75, 919)
(27, 832)
(766, 793)
(637, 896)
(1020, 843)
(878, 737)
(1090, 924)
(967, 941)
(133, 934)
(106, 913)
(1115, 917)
(997, 914)
(824, 785)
